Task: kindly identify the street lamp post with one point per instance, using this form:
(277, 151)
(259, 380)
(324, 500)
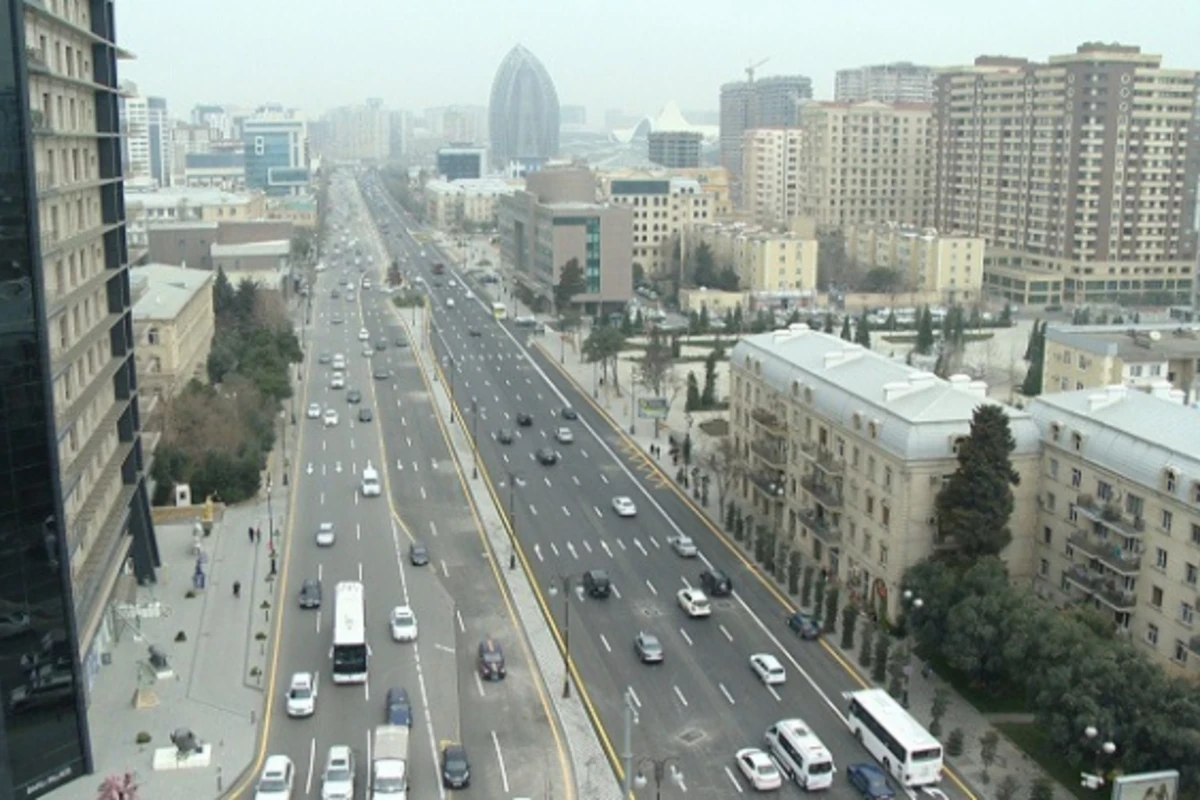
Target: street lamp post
(513, 477)
(453, 369)
(270, 515)
(632, 404)
(913, 604)
(595, 385)
(567, 584)
(475, 436)
(1104, 747)
(660, 768)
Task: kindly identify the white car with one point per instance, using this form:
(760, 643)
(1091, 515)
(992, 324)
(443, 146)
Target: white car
(624, 507)
(338, 381)
(368, 352)
(694, 603)
(564, 436)
(450, 302)
(768, 669)
(683, 545)
(339, 361)
(759, 769)
(275, 783)
(302, 695)
(337, 781)
(363, 334)
(331, 417)
(314, 411)
(325, 535)
(452, 284)
(404, 624)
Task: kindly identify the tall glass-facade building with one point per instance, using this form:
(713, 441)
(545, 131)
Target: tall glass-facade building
(523, 114)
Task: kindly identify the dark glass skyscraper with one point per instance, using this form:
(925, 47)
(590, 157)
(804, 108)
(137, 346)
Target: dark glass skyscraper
(523, 112)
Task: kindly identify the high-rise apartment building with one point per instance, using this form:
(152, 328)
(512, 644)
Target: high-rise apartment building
(675, 149)
(462, 124)
(865, 162)
(359, 133)
(770, 174)
(1082, 169)
(662, 205)
(187, 138)
(73, 503)
(764, 103)
(898, 82)
(162, 149)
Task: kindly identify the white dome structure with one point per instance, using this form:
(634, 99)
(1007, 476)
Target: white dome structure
(670, 118)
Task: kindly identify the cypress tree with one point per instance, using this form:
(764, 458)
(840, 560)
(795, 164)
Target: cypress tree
(977, 501)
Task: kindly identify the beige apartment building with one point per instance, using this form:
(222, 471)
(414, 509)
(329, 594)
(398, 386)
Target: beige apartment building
(145, 209)
(448, 204)
(1119, 515)
(845, 451)
(173, 323)
(1082, 169)
(1079, 357)
(662, 206)
(770, 174)
(765, 260)
(947, 264)
(898, 82)
(865, 162)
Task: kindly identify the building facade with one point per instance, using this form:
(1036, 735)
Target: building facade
(845, 450)
(1140, 356)
(162, 146)
(661, 206)
(1090, 180)
(72, 487)
(449, 204)
(948, 264)
(135, 132)
(865, 162)
(772, 262)
(223, 169)
(173, 324)
(147, 209)
(523, 112)
(462, 163)
(675, 149)
(745, 105)
(275, 153)
(770, 174)
(1119, 515)
(898, 82)
(358, 133)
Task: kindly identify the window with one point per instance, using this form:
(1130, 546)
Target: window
(870, 504)
(1181, 652)
(883, 554)
(885, 515)
(1076, 478)
(1187, 614)
(1156, 597)
(1055, 431)
(1170, 480)
(1043, 568)
(1077, 440)
(1152, 634)
(1190, 574)
(1195, 533)
(1104, 490)
(1047, 535)
(887, 477)
(1051, 501)
(1054, 468)
(1167, 519)
(1134, 505)
(1160, 558)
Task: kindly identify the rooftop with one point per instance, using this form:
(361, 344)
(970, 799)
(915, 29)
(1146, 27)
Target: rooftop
(476, 186)
(1131, 343)
(190, 225)
(165, 289)
(175, 197)
(918, 415)
(277, 247)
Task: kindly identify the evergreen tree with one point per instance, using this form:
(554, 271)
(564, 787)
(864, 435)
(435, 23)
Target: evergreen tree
(708, 396)
(828, 323)
(1032, 386)
(890, 323)
(1006, 316)
(976, 503)
(693, 392)
(224, 296)
(862, 332)
(924, 343)
(847, 335)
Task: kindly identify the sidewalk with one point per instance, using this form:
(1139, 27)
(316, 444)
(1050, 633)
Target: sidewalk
(1010, 760)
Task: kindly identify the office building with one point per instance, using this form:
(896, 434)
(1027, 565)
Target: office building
(523, 113)
(73, 501)
(947, 268)
(358, 133)
(276, 154)
(1090, 180)
(661, 206)
(461, 162)
(173, 324)
(135, 133)
(770, 175)
(1141, 356)
(765, 103)
(845, 452)
(556, 219)
(865, 162)
(221, 169)
(162, 147)
(898, 82)
(469, 203)
(1118, 526)
(779, 267)
(187, 138)
(675, 149)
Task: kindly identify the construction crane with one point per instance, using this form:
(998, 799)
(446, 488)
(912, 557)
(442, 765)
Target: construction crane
(750, 69)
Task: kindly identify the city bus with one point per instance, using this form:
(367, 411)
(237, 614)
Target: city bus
(349, 634)
(499, 311)
(897, 741)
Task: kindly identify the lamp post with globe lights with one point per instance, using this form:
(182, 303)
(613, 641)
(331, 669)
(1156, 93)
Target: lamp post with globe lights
(660, 768)
(566, 584)
(1103, 749)
(912, 606)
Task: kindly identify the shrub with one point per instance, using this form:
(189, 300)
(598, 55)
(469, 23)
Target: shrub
(142, 738)
(954, 744)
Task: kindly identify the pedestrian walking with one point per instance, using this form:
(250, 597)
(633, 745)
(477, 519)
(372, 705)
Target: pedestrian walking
(250, 532)
(237, 588)
(258, 534)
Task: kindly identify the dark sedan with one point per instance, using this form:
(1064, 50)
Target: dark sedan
(456, 770)
(399, 709)
(547, 456)
(524, 419)
(569, 413)
(418, 554)
(870, 781)
(504, 436)
(804, 625)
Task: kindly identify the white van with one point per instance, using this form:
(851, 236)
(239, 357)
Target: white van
(800, 754)
(370, 481)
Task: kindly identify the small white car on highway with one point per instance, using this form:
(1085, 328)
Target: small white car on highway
(337, 781)
(339, 361)
(759, 769)
(768, 669)
(314, 411)
(404, 624)
(564, 436)
(302, 695)
(624, 507)
(275, 783)
(683, 545)
(326, 535)
(363, 334)
(338, 381)
(331, 417)
(694, 603)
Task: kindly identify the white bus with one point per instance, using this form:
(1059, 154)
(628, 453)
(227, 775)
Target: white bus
(897, 741)
(499, 311)
(800, 754)
(349, 634)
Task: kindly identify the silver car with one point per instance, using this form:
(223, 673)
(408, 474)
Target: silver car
(683, 545)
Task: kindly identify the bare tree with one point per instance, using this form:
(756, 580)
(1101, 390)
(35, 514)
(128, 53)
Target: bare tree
(725, 464)
(656, 366)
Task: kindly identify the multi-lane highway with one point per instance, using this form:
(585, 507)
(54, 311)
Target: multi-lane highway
(508, 729)
(704, 702)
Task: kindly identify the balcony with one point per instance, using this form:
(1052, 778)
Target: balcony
(1109, 516)
(771, 452)
(823, 458)
(828, 492)
(1112, 555)
(36, 57)
(38, 121)
(821, 526)
(769, 482)
(1103, 587)
(769, 422)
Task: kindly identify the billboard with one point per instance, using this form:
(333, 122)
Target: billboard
(653, 407)
(1147, 786)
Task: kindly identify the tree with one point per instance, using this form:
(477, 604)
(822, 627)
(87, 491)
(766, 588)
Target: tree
(657, 364)
(1007, 788)
(941, 704)
(832, 595)
(692, 403)
(818, 611)
(1035, 354)
(849, 623)
(118, 787)
(1006, 316)
(224, 296)
(1041, 789)
(890, 322)
(924, 343)
(603, 345)
(724, 463)
(846, 334)
(866, 647)
(883, 644)
(828, 327)
(708, 395)
(988, 744)
(793, 572)
(974, 507)
(639, 274)
(862, 333)
(806, 587)
(882, 280)
(730, 516)
(570, 283)
(702, 269)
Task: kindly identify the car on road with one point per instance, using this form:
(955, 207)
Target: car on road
(364, 414)
(382, 374)
(275, 783)
(564, 436)
(597, 583)
(870, 781)
(474, 332)
(354, 396)
(381, 345)
(648, 648)
(14, 624)
(452, 283)
(324, 358)
(418, 554)
(335, 294)
(363, 334)
(804, 625)
(314, 410)
(449, 302)
(694, 603)
(524, 419)
(759, 769)
(683, 545)
(310, 593)
(491, 660)
(403, 624)
(302, 695)
(325, 535)
(569, 413)
(331, 418)
(716, 583)
(398, 710)
(546, 456)
(337, 779)
(768, 669)
(456, 770)
(337, 381)
(624, 507)
(336, 321)
(339, 361)
(367, 352)
(504, 436)
(400, 341)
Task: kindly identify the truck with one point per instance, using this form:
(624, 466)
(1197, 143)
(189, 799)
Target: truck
(389, 763)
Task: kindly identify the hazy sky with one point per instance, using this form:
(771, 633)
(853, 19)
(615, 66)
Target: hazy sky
(631, 54)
